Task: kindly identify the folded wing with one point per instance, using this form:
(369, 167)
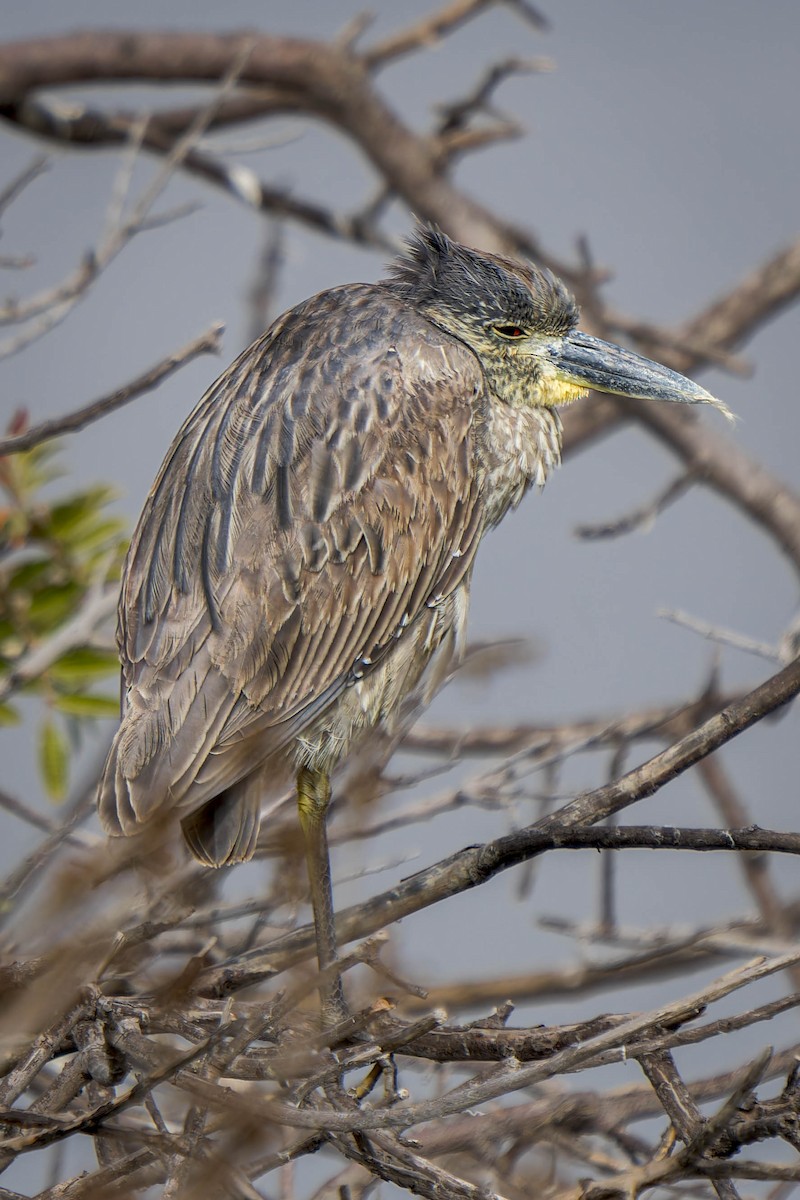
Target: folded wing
(322, 496)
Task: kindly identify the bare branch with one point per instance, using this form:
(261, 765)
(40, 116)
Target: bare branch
(12, 805)
(679, 1106)
(755, 869)
(321, 80)
(760, 296)
(457, 113)
(12, 190)
(754, 491)
(724, 637)
(471, 867)
(665, 722)
(709, 736)
(426, 32)
(507, 1078)
(51, 307)
(643, 517)
(207, 343)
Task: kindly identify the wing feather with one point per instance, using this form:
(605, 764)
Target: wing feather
(323, 495)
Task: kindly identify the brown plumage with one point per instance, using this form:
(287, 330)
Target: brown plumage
(309, 529)
(305, 554)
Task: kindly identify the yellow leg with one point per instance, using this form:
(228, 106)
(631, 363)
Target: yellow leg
(313, 798)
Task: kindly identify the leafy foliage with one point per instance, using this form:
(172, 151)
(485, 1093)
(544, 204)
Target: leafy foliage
(55, 554)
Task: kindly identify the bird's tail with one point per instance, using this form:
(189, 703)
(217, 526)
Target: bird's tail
(224, 830)
(114, 801)
(221, 831)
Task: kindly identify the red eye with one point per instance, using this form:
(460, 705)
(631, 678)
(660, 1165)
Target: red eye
(509, 331)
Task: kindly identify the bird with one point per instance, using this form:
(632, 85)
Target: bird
(303, 561)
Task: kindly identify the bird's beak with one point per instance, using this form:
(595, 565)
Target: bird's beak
(590, 362)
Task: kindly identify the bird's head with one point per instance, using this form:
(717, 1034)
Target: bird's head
(520, 322)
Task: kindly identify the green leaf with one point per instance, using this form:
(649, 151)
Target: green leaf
(88, 706)
(53, 760)
(29, 575)
(91, 535)
(8, 715)
(84, 665)
(69, 515)
(7, 629)
(36, 467)
(50, 608)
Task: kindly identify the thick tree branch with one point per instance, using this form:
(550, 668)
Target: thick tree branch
(160, 133)
(325, 81)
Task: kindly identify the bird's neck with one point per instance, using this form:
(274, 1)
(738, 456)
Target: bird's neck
(522, 446)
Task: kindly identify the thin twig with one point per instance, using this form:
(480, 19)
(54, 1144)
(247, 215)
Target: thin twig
(12, 190)
(641, 518)
(423, 33)
(474, 866)
(714, 633)
(509, 1077)
(13, 805)
(207, 343)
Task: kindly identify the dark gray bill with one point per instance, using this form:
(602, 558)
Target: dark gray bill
(588, 360)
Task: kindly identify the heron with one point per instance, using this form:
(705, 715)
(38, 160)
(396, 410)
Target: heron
(303, 561)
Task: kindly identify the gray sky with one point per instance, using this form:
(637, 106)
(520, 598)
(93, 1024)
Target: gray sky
(667, 134)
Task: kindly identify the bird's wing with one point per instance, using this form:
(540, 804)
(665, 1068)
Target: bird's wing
(323, 494)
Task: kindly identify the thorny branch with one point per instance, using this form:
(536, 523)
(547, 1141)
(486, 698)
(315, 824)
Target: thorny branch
(172, 1026)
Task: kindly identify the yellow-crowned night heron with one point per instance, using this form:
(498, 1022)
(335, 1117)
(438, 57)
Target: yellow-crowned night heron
(305, 555)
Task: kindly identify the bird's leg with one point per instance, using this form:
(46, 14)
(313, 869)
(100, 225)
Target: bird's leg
(313, 798)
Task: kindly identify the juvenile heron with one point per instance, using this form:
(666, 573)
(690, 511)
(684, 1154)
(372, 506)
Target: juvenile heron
(305, 555)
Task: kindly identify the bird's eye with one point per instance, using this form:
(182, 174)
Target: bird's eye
(509, 331)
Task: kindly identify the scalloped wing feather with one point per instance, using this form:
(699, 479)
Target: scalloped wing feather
(322, 496)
